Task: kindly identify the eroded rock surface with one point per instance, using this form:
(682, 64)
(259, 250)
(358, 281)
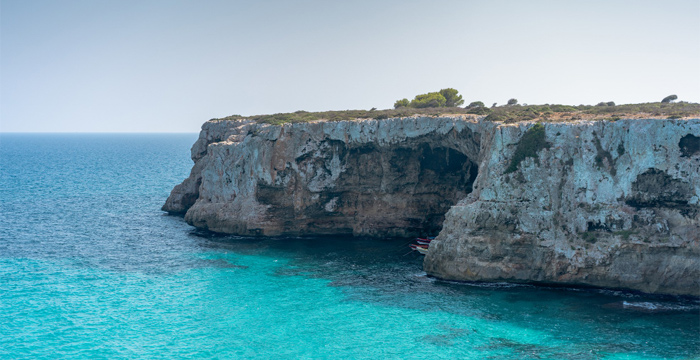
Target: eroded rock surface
(611, 204)
(395, 177)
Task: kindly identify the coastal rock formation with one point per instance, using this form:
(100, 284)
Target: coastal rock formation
(610, 204)
(395, 177)
(599, 203)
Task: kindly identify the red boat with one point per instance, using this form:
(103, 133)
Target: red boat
(425, 240)
(423, 249)
(415, 246)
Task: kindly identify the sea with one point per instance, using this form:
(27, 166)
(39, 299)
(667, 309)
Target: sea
(91, 268)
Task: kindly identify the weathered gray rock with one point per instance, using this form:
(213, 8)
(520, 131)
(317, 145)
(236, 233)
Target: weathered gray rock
(611, 204)
(393, 177)
(186, 194)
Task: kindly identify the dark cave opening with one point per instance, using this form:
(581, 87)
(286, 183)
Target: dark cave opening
(403, 190)
(450, 175)
(689, 145)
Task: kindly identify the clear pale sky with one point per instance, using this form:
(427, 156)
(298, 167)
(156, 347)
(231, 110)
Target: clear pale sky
(168, 66)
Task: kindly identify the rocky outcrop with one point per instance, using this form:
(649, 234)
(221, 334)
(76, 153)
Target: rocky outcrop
(395, 177)
(186, 194)
(609, 204)
(600, 203)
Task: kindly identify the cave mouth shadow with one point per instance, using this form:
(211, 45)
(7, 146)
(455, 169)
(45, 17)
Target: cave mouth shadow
(400, 190)
(451, 175)
(377, 190)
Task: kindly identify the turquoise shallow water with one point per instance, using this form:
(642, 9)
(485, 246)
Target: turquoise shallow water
(91, 268)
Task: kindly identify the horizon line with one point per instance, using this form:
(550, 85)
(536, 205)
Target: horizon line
(98, 132)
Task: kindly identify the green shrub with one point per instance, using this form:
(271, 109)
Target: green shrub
(669, 99)
(496, 115)
(510, 114)
(512, 101)
(478, 110)
(429, 100)
(531, 143)
(401, 103)
(444, 98)
(452, 98)
(562, 108)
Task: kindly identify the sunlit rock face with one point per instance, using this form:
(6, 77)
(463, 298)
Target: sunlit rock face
(610, 204)
(395, 177)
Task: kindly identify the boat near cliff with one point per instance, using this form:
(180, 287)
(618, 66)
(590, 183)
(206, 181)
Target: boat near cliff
(609, 203)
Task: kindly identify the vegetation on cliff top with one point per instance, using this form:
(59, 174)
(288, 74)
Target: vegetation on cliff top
(506, 113)
(305, 116)
(602, 111)
(444, 98)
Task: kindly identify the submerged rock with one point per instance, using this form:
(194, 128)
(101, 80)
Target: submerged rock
(601, 203)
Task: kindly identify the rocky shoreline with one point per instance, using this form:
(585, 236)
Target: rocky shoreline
(595, 203)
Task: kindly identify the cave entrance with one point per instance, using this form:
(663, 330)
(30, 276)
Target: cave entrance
(402, 190)
(446, 177)
(368, 189)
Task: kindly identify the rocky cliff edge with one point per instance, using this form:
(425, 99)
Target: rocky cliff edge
(599, 203)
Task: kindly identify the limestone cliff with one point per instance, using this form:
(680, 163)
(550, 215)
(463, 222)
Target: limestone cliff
(393, 177)
(601, 203)
(611, 204)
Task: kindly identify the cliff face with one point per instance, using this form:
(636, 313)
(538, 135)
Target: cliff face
(393, 177)
(612, 204)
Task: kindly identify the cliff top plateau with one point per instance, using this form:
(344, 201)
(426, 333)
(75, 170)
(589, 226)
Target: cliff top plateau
(505, 113)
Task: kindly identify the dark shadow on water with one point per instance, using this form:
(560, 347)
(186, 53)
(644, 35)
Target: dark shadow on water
(388, 265)
(385, 273)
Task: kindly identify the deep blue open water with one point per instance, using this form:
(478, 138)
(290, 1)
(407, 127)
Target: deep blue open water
(91, 268)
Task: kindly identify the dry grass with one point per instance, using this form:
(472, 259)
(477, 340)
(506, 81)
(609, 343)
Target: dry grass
(506, 113)
(564, 113)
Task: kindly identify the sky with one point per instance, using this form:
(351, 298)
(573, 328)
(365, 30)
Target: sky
(168, 65)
